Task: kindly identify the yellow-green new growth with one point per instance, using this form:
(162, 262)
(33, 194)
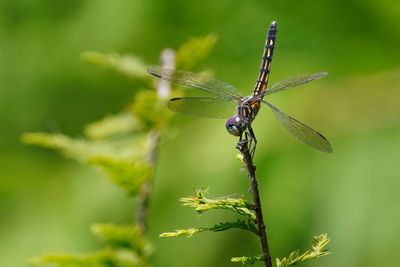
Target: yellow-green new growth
(128, 65)
(128, 174)
(182, 232)
(319, 249)
(203, 204)
(118, 124)
(247, 260)
(194, 51)
(239, 224)
(124, 147)
(125, 246)
(101, 258)
(123, 236)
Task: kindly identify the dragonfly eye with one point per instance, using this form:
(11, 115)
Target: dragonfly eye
(235, 125)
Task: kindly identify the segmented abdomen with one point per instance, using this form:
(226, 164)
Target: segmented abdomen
(262, 80)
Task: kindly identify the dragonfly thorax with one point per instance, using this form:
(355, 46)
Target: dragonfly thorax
(248, 108)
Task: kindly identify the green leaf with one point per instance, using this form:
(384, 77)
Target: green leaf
(203, 204)
(121, 123)
(123, 236)
(83, 150)
(128, 174)
(194, 51)
(183, 232)
(247, 260)
(128, 65)
(319, 249)
(149, 110)
(73, 148)
(102, 258)
(239, 224)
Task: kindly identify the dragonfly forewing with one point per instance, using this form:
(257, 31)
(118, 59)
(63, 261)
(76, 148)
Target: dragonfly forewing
(293, 82)
(205, 83)
(301, 131)
(203, 106)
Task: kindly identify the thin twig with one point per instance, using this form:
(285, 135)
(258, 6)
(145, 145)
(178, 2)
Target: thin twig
(147, 186)
(143, 204)
(243, 147)
(163, 92)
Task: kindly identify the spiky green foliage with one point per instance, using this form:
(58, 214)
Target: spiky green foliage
(82, 149)
(119, 124)
(118, 145)
(318, 249)
(123, 148)
(128, 65)
(194, 51)
(102, 258)
(123, 236)
(247, 260)
(126, 246)
(128, 174)
(121, 160)
(70, 147)
(150, 110)
(202, 204)
(239, 224)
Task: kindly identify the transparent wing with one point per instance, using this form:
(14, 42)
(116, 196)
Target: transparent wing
(301, 131)
(203, 106)
(208, 84)
(293, 82)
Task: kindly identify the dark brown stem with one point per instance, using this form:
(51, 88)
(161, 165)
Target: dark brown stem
(251, 173)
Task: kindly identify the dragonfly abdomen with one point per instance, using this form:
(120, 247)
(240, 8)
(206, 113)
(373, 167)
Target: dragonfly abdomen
(262, 80)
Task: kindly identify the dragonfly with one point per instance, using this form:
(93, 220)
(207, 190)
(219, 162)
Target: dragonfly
(226, 99)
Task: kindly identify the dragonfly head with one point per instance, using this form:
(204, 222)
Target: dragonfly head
(236, 125)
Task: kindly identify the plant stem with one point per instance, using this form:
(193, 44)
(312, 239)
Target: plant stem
(251, 173)
(143, 204)
(163, 91)
(147, 186)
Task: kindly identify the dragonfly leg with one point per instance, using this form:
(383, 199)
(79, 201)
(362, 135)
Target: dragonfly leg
(242, 141)
(253, 138)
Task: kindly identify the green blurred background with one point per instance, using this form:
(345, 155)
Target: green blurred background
(48, 202)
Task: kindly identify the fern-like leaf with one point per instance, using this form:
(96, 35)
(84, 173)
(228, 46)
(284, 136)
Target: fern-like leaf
(128, 65)
(122, 123)
(128, 174)
(247, 259)
(203, 204)
(319, 249)
(122, 236)
(102, 258)
(194, 51)
(239, 224)
(151, 112)
(83, 150)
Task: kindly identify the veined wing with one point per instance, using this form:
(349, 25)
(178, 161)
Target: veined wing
(293, 82)
(301, 131)
(203, 106)
(208, 84)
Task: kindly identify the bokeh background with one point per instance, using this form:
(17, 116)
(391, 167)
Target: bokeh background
(48, 202)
